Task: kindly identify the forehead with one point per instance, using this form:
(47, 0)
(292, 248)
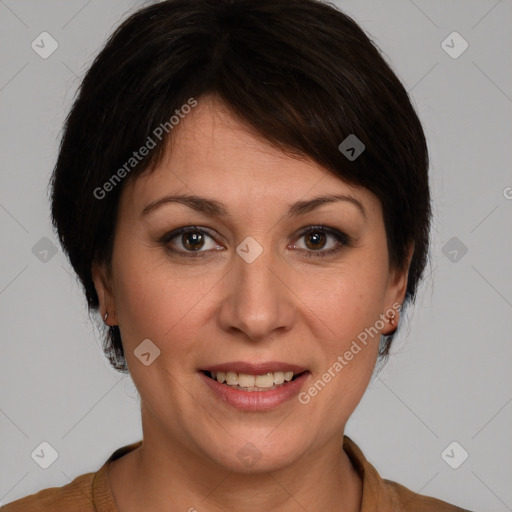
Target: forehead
(214, 153)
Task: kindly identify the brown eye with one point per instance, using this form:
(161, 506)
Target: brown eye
(315, 240)
(321, 241)
(192, 241)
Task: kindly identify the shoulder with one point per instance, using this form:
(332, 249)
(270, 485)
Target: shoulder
(385, 495)
(77, 496)
(89, 492)
(413, 502)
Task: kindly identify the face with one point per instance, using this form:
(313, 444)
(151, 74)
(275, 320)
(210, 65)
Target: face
(252, 278)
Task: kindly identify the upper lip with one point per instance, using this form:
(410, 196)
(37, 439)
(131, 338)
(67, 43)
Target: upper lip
(255, 368)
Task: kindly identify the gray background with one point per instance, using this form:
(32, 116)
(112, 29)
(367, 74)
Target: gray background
(449, 378)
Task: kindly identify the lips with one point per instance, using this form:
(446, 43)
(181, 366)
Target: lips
(253, 377)
(254, 391)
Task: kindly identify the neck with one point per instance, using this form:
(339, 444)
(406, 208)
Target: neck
(162, 473)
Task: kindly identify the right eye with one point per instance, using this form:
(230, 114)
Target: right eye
(191, 240)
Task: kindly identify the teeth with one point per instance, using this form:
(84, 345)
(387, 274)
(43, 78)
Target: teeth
(244, 380)
(231, 378)
(278, 377)
(264, 381)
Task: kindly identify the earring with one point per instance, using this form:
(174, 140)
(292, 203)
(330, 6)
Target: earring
(391, 319)
(105, 317)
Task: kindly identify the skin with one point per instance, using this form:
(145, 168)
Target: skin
(283, 306)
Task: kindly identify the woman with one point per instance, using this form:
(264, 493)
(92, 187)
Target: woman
(242, 189)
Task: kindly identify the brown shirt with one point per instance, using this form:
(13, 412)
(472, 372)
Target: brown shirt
(91, 492)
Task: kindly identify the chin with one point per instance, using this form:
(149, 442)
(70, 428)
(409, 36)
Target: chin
(250, 453)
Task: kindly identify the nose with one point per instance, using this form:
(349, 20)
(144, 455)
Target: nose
(259, 301)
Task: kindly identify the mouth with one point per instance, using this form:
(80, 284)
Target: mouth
(254, 387)
(254, 382)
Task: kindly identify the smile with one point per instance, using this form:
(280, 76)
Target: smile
(254, 387)
(247, 382)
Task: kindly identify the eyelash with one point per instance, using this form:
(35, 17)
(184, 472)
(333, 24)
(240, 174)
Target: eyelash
(342, 239)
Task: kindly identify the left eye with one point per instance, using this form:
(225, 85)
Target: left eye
(315, 241)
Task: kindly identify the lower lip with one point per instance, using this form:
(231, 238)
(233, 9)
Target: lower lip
(256, 400)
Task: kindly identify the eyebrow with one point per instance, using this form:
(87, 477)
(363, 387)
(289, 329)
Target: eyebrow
(215, 208)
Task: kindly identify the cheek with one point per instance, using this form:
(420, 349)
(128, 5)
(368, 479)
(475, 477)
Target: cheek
(156, 302)
(346, 343)
(348, 323)
(347, 300)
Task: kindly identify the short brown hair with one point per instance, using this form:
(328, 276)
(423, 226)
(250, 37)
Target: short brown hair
(300, 72)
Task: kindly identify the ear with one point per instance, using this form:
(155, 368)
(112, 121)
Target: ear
(396, 290)
(103, 284)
